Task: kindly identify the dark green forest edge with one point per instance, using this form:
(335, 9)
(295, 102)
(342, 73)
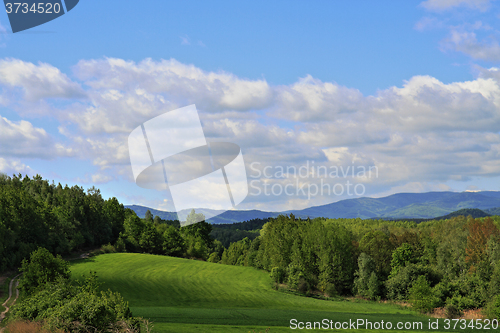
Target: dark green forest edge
(451, 264)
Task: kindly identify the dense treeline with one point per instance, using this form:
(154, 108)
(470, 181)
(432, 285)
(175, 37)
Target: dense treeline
(231, 233)
(254, 224)
(158, 236)
(35, 213)
(451, 263)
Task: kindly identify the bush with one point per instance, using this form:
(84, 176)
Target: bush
(492, 310)
(75, 309)
(330, 290)
(421, 296)
(108, 248)
(295, 276)
(214, 257)
(452, 312)
(398, 286)
(120, 245)
(41, 268)
(461, 302)
(373, 287)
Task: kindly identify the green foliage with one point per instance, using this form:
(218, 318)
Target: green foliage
(34, 213)
(323, 249)
(421, 295)
(150, 239)
(493, 308)
(214, 257)
(278, 274)
(367, 283)
(398, 286)
(400, 258)
(40, 269)
(173, 243)
(74, 309)
(378, 245)
(452, 312)
(374, 287)
(295, 276)
(236, 254)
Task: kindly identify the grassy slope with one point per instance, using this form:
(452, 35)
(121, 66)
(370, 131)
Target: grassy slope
(181, 295)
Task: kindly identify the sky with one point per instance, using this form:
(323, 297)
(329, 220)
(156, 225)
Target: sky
(328, 100)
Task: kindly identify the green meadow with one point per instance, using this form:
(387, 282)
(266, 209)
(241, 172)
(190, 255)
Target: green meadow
(181, 295)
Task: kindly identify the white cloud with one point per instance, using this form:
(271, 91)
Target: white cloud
(428, 23)
(37, 81)
(14, 166)
(442, 5)
(468, 43)
(3, 35)
(310, 100)
(22, 139)
(185, 40)
(419, 135)
(125, 94)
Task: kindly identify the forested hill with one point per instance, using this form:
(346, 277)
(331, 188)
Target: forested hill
(35, 213)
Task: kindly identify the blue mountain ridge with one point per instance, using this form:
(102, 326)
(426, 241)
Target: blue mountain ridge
(397, 206)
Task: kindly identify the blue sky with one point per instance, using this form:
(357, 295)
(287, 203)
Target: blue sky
(408, 87)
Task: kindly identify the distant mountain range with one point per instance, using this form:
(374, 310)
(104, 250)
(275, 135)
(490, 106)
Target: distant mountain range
(397, 206)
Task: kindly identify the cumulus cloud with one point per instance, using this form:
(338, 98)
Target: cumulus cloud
(37, 81)
(22, 139)
(418, 135)
(311, 100)
(476, 39)
(124, 94)
(467, 42)
(14, 166)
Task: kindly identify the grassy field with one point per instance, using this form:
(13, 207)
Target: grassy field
(181, 295)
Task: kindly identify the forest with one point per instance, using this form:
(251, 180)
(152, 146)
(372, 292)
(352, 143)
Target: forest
(452, 264)
(35, 213)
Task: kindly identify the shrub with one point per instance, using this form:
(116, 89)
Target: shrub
(452, 312)
(294, 276)
(492, 310)
(421, 296)
(373, 287)
(330, 290)
(108, 248)
(214, 257)
(41, 268)
(461, 302)
(399, 285)
(75, 309)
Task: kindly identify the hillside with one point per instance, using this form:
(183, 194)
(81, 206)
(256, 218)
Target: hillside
(397, 206)
(181, 295)
(474, 212)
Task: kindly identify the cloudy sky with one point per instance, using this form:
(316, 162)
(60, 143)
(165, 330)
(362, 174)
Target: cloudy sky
(407, 89)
